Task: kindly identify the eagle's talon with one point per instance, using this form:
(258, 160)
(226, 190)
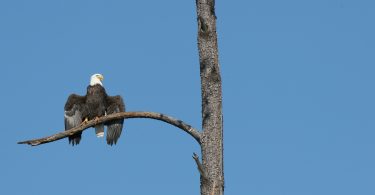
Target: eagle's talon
(84, 122)
(96, 120)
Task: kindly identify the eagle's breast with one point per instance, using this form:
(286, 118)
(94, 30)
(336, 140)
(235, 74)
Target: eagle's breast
(95, 101)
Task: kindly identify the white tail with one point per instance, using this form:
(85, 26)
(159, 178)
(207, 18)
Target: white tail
(99, 130)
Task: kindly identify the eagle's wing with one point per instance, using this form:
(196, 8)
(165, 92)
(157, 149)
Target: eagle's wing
(74, 114)
(115, 104)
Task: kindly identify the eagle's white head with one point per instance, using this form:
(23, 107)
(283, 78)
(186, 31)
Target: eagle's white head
(96, 79)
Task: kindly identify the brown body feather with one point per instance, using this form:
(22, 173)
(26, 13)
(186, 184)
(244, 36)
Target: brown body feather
(96, 103)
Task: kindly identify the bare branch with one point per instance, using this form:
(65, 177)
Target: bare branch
(153, 115)
(200, 167)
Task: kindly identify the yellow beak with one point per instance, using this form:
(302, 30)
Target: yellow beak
(100, 77)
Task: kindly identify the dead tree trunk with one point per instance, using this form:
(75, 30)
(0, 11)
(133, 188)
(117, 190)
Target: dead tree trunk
(212, 118)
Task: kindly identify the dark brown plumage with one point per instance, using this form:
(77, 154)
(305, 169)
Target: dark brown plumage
(94, 104)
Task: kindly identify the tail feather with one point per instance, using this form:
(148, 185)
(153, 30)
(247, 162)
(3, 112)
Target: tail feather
(99, 130)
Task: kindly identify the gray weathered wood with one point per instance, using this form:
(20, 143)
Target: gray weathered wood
(158, 116)
(212, 118)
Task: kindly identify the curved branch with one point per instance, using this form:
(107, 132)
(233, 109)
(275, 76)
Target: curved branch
(153, 115)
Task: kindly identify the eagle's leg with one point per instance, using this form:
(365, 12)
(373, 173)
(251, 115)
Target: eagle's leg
(85, 121)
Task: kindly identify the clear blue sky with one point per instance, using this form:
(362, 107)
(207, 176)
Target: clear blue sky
(298, 86)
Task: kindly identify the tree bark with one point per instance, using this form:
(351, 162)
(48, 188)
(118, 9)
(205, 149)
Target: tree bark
(212, 118)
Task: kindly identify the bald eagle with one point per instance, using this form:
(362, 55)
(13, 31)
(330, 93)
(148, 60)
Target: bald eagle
(96, 103)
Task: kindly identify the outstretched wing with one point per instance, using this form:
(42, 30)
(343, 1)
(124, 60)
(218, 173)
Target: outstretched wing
(74, 113)
(115, 104)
